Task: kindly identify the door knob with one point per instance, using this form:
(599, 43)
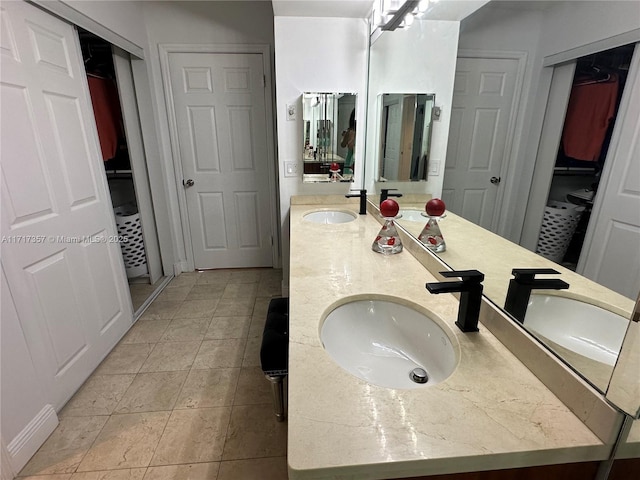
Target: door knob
(188, 183)
(495, 180)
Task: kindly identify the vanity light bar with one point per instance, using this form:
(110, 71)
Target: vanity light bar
(398, 17)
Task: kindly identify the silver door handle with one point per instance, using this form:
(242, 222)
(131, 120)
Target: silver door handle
(188, 183)
(495, 180)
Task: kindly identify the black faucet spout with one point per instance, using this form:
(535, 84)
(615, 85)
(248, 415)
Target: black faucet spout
(384, 194)
(470, 289)
(523, 283)
(363, 200)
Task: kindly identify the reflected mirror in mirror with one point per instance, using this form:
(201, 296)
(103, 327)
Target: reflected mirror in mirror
(329, 135)
(405, 136)
(543, 30)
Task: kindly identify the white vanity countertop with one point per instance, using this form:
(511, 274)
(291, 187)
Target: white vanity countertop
(491, 413)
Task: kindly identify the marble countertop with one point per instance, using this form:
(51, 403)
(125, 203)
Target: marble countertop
(491, 413)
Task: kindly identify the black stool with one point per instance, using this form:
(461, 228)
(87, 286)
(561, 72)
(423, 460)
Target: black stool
(274, 351)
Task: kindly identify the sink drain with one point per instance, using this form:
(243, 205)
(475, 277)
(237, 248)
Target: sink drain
(419, 375)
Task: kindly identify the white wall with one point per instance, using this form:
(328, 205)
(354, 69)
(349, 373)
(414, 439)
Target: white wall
(420, 59)
(197, 23)
(315, 55)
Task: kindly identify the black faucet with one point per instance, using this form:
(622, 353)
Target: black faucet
(363, 200)
(384, 194)
(470, 289)
(521, 285)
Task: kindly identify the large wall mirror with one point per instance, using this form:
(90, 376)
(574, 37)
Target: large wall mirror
(329, 136)
(405, 135)
(523, 52)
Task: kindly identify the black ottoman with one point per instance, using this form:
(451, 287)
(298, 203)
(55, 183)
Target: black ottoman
(274, 351)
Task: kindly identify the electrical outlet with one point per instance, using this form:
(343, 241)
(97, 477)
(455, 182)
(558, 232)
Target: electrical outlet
(291, 169)
(291, 112)
(434, 167)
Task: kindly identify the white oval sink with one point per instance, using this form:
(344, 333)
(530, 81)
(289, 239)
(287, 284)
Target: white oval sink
(382, 342)
(330, 217)
(590, 331)
(413, 216)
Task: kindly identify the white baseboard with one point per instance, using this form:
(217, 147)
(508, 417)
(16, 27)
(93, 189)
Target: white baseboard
(31, 438)
(6, 470)
(177, 269)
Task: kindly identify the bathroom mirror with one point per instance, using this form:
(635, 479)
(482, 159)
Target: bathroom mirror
(500, 31)
(405, 135)
(329, 134)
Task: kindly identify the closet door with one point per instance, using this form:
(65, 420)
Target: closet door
(60, 250)
(612, 245)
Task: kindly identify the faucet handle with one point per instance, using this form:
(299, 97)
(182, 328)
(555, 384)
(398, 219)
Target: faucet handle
(529, 273)
(467, 276)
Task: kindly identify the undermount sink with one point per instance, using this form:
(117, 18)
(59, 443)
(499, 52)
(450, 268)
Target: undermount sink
(413, 216)
(330, 216)
(383, 342)
(590, 331)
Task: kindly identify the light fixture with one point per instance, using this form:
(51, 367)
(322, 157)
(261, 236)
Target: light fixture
(399, 16)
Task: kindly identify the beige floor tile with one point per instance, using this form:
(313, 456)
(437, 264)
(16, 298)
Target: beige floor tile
(146, 331)
(209, 388)
(228, 327)
(126, 474)
(174, 294)
(251, 357)
(195, 471)
(171, 356)
(261, 307)
(193, 436)
(269, 288)
(186, 329)
(245, 276)
(99, 395)
(207, 291)
(64, 449)
(152, 392)
(220, 353)
(240, 290)
(59, 476)
(253, 388)
(125, 358)
(197, 309)
(234, 308)
(161, 310)
(257, 325)
(254, 433)
(271, 274)
(126, 441)
(213, 277)
(274, 468)
(137, 300)
(183, 280)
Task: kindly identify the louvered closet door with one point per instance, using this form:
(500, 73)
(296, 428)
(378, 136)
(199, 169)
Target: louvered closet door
(64, 270)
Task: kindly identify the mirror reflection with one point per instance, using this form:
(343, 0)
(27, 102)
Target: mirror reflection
(405, 135)
(329, 123)
(499, 207)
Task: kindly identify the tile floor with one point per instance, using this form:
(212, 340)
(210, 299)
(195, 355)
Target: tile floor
(182, 396)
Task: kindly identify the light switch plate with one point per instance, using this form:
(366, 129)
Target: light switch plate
(291, 169)
(434, 167)
(291, 112)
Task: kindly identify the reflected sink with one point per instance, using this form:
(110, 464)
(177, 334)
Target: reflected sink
(330, 216)
(382, 342)
(590, 331)
(413, 216)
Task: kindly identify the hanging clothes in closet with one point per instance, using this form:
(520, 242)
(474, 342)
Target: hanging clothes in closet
(592, 107)
(106, 108)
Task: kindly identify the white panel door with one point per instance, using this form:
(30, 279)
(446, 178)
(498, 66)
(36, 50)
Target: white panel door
(219, 106)
(393, 130)
(612, 257)
(480, 119)
(63, 266)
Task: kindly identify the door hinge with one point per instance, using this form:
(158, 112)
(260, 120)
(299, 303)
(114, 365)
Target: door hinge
(264, 80)
(271, 239)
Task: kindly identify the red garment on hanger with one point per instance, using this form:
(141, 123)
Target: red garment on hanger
(591, 109)
(106, 109)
